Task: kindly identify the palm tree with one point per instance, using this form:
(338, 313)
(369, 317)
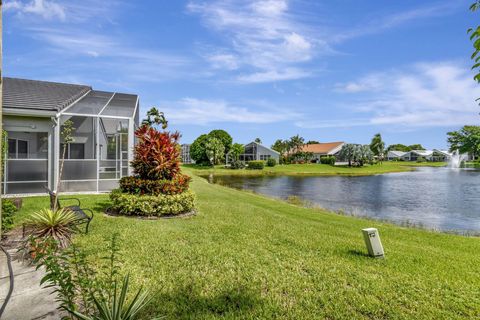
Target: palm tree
(296, 143)
(348, 153)
(377, 146)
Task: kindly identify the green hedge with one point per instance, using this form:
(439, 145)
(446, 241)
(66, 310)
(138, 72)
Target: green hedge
(271, 162)
(152, 205)
(256, 165)
(328, 160)
(237, 164)
(136, 185)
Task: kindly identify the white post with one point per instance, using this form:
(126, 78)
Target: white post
(373, 243)
(97, 149)
(56, 153)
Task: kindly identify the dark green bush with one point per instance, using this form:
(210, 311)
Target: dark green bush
(136, 185)
(271, 162)
(237, 164)
(256, 165)
(328, 160)
(8, 210)
(152, 205)
(421, 159)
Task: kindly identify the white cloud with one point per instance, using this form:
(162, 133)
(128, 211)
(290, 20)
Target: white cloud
(389, 21)
(321, 124)
(223, 61)
(266, 39)
(423, 95)
(270, 7)
(274, 75)
(134, 62)
(44, 8)
(201, 112)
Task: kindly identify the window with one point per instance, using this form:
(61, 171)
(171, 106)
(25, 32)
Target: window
(264, 156)
(17, 149)
(74, 151)
(77, 151)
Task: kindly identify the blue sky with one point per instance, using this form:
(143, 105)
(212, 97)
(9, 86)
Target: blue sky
(327, 70)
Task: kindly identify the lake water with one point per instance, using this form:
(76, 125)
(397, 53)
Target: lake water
(436, 198)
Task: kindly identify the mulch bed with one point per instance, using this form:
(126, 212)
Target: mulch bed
(113, 213)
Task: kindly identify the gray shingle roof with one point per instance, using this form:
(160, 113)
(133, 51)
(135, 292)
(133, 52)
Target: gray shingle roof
(40, 95)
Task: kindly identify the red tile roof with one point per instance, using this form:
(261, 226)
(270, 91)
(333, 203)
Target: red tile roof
(322, 148)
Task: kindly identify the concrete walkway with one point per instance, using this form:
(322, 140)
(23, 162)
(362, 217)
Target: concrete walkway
(28, 301)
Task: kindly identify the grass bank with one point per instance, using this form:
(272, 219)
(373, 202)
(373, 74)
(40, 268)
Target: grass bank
(317, 169)
(245, 256)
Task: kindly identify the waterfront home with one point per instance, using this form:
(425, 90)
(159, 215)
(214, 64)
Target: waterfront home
(257, 151)
(103, 139)
(185, 154)
(435, 155)
(323, 149)
(395, 155)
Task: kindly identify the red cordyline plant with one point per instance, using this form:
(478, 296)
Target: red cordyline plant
(157, 155)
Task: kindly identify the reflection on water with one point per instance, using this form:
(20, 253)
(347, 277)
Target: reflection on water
(438, 198)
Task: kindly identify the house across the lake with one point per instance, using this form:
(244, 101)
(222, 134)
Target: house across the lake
(103, 139)
(257, 151)
(185, 154)
(434, 155)
(323, 149)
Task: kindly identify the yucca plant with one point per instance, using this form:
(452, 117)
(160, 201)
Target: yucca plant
(56, 224)
(117, 307)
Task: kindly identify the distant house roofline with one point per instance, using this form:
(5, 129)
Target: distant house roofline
(326, 148)
(259, 144)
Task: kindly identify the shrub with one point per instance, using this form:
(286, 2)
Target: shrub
(136, 185)
(237, 164)
(271, 162)
(256, 164)
(86, 292)
(8, 210)
(56, 224)
(328, 160)
(157, 154)
(152, 205)
(421, 159)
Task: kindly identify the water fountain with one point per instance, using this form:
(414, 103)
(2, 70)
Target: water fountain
(456, 160)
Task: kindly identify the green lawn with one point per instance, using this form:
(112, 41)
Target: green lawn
(247, 256)
(317, 169)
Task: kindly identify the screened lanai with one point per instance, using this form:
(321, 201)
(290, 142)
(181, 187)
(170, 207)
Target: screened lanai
(103, 138)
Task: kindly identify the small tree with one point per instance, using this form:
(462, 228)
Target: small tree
(282, 147)
(236, 150)
(465, 140)
(258, 140)
(364, 154)
(155, 117)
(214, 149)
(347, 153)
(377, 146)
(224, 137)
(67, 136)
(197, 150)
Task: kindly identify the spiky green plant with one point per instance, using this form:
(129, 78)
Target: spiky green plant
(56, 224)
(117, 307)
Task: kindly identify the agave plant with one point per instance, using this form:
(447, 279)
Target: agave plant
(56, 224)
(118, 307)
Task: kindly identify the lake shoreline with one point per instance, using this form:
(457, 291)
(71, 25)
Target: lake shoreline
(313, 169)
